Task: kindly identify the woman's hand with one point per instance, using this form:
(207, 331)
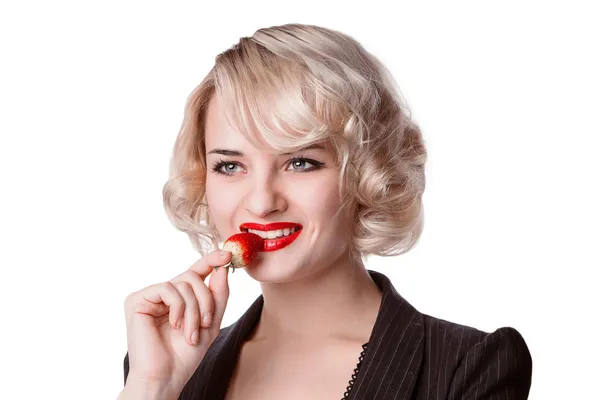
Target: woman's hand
(171, 325)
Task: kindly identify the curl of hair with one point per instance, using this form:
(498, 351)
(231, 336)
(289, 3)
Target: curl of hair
(289, 86)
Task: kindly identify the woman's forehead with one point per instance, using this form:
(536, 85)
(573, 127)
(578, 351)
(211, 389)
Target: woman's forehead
(221, 135)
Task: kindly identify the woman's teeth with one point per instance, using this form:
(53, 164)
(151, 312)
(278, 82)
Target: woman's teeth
(274, 234)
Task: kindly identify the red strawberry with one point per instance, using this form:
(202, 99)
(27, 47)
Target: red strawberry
(244, 247)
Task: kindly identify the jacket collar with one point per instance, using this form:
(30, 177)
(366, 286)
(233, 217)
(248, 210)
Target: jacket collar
(389, 369)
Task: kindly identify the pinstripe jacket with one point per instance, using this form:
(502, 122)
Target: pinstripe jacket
(410, 356)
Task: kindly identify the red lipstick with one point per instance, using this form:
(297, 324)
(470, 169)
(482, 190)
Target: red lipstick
(274, 244)
(279, 243)
(269, 227)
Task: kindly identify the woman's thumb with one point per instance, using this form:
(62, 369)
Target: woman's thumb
(218, 284)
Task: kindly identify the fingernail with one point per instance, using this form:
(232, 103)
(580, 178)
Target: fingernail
(195, 336)
(207, 319)
(179, 323)
(222, 253)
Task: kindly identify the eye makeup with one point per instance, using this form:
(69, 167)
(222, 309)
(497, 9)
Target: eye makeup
(218, 165)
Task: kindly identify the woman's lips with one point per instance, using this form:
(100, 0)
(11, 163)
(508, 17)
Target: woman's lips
(279, 243)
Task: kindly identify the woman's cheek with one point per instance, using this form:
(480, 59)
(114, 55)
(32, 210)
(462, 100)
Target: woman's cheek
(221, 206)
(319, 204)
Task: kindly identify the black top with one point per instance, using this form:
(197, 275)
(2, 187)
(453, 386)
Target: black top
(411, 356)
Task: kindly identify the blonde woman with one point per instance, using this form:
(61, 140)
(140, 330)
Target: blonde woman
(299, 129)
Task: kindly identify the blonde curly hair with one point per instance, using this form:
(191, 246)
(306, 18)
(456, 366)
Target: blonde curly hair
(289, 86)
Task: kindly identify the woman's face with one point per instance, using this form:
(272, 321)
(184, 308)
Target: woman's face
(263, 187)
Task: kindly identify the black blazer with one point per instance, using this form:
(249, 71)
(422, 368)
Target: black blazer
(410, 356)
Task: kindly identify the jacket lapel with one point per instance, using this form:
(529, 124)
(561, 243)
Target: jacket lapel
(395, 351)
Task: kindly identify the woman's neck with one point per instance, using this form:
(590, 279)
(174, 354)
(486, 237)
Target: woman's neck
(339, 302)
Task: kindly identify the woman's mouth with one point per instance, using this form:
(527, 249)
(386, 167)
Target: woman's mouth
(276, 239)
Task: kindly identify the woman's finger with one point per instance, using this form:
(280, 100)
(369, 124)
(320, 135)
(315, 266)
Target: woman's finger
(203, 295)
(206, 264)
(219, 287)
(218, 282)
(191, 316)
(157, 300)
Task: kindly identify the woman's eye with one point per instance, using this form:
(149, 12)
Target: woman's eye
(300, 164)
(229, 168)
(225, 168)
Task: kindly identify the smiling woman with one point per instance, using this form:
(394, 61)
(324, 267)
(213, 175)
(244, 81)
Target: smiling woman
(296, 87)
(300, 136)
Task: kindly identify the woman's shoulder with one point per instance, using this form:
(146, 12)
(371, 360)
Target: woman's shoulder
(462, 358)
(452, 335)
(439, 328)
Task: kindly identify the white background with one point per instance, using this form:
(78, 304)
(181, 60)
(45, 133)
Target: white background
(92, 96)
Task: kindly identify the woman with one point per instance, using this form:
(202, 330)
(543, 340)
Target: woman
(299, 125)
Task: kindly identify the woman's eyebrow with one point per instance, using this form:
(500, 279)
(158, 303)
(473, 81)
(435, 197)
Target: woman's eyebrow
(237, 153)
(226, 152)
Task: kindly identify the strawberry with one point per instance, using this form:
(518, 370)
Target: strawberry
(244, 247)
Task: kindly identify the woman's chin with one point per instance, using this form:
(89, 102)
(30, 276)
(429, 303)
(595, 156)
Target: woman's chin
(268, 270)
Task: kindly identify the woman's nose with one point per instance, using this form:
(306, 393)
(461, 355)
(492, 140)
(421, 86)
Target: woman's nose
(264, 197)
